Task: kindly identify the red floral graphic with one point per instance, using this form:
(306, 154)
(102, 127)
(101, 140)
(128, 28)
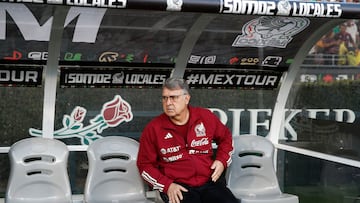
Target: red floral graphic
(78, 114)
(116, 111)
(113, 113)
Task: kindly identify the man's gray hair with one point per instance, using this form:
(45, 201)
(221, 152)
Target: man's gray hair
(176, 83)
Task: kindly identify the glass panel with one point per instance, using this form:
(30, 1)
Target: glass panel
(253, 41)
(27, 32)
(316, 180)
(235, 107)
(244, 111)
(241, 110)
(21, 101)
(124, 36)
(144, 104)
(324, 105)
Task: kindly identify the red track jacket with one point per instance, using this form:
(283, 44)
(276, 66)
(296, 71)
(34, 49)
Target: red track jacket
(165, 156)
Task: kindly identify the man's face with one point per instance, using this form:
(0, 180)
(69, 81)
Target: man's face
(174, 102)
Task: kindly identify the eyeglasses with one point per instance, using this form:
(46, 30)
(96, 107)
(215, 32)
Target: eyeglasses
(172, 98)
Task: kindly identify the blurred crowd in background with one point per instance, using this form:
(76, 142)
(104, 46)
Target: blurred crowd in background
(340, 46)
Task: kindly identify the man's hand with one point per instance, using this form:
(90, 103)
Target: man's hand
(175, 193)
(218, 168)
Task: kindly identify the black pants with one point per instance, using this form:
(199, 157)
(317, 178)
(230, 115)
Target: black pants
(209, 193)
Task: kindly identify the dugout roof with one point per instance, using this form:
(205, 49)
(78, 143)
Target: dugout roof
(178, 34)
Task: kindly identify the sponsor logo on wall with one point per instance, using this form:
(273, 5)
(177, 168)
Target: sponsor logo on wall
(268, 31)
(97, 77)
(86, 77)
(283, 8)
(233, 79)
